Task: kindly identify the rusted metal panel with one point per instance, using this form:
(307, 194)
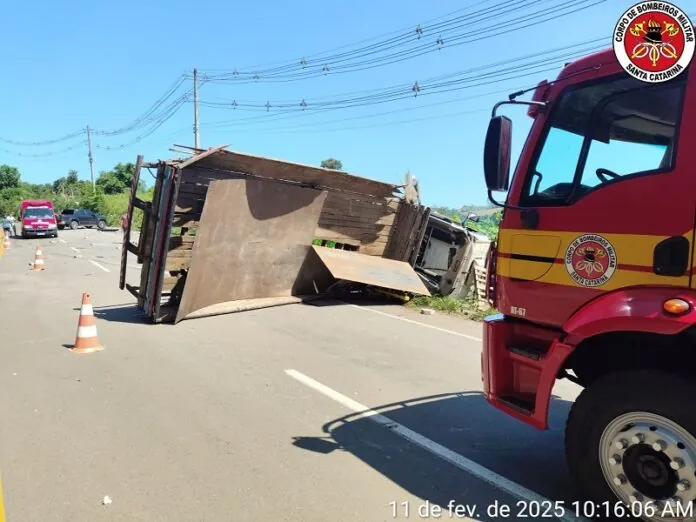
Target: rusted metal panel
(371, 270)
(252, 242)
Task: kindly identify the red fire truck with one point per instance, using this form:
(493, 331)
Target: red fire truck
(37, 218)
(593, 276)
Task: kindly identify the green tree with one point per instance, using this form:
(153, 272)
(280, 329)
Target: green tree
(110, 183)
(9, 176)
(118, 179)
(332, 163)
(71, 178)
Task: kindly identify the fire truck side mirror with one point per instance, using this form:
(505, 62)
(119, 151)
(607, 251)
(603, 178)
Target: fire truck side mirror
(496, 154)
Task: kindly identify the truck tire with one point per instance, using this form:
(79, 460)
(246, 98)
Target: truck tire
(631, 436)
(74, 225)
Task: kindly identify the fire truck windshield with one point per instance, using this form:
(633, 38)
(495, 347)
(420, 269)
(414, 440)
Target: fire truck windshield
(600, 132)
(38, 213)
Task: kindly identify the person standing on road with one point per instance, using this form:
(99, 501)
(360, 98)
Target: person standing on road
(7, 226)
(14, 225)
(124, 222)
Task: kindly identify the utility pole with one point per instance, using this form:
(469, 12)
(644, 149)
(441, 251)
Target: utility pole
(91, 158)
(196, 140)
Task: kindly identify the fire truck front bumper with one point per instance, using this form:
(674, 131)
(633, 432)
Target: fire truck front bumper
(519, 366)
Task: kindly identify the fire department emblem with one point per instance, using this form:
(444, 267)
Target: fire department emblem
(654, 41)
(590, 260)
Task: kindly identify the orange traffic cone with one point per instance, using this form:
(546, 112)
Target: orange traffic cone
(87, 340)
(38, 259)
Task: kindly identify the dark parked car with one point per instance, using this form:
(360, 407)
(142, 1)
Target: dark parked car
(80, 217)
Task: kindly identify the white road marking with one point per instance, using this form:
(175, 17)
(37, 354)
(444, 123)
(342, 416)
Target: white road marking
(469, 466)
(416, 322)
(63, 241)
(99, 266)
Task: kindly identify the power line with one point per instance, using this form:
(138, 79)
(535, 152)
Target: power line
(145, 118)
(46, 154)
(486, 19)
(405, 37)
(345, 46)
(173, 109)
(442, 83)
(148, 115)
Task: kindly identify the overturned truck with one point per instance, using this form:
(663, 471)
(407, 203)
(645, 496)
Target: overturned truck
(228, 232)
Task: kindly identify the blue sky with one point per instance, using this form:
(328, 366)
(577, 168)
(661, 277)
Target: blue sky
(76, 63)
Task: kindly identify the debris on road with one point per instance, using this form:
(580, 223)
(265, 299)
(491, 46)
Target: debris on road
(106, 500)
(427, 311)
(228, 232)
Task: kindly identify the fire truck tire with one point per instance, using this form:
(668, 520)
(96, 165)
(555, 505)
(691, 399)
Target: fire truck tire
(656, 404)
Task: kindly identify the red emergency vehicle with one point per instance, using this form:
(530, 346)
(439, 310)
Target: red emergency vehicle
(37, 218)
(593, 274)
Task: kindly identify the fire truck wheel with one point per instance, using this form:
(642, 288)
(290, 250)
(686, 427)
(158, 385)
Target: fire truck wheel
(631, 435)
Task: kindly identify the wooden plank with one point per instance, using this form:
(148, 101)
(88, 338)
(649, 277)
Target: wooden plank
(169, 282)
(359, 204)
(179, 254)
(186, 220)
(349, 235)
(402, 228)
(415, 232)
(373, 250)
(275, 169)
(193, 189)
(337, 219)
(176, 243)
(177, 263)
(189, 207)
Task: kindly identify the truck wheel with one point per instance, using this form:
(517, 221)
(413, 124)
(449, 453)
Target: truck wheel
(74, 225)
(631, 436)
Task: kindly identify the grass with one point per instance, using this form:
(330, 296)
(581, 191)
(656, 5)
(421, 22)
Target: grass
(469, 308)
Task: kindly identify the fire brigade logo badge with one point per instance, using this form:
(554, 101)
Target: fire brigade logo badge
(654, 41)
(590, 260)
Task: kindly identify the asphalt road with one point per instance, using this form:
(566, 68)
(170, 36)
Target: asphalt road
(249, 416)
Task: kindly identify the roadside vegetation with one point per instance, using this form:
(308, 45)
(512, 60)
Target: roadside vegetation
(109, 196)
(468, 308)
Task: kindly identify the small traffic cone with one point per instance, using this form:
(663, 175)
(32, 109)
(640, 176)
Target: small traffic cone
(87, 340)
(38, 259)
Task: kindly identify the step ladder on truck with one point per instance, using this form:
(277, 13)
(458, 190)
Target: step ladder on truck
(593, 276)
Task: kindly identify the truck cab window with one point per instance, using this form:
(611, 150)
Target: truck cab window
(601, 133)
